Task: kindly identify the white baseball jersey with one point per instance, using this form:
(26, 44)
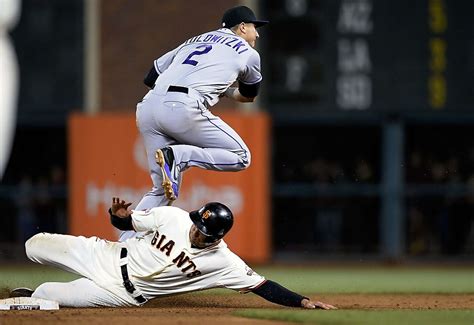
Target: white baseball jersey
(209, 63)
(162, 262)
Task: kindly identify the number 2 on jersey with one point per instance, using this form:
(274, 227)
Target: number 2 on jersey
(205, 49)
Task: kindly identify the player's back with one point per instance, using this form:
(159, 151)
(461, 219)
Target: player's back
(208, 63)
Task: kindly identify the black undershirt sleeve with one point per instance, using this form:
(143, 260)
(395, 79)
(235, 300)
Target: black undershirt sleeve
(278, 294)
(151, 77)
(249, 91)
(121, 223)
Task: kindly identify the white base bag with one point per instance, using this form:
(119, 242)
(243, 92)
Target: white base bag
(27, 303)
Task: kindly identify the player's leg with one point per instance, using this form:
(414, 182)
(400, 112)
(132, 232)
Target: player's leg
(80, 293)
(153, 138)
(210, 144)
(94, 258)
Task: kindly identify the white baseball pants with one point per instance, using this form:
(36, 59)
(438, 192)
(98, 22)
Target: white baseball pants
(95, 259)
(197, 137)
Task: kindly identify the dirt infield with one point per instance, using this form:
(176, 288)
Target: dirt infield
(217, 309)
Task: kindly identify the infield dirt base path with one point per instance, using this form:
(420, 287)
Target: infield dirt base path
(217, 309)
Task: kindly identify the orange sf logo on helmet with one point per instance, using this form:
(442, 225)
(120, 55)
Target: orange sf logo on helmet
(206, 214)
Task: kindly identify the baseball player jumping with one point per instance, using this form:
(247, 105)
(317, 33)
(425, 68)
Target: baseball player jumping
(177, 252)
(174, 119)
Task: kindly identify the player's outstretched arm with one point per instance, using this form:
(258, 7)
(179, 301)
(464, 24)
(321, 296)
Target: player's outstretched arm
(278, 294)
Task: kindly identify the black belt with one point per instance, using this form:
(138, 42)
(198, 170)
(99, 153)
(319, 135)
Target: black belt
(126, 281)
(178, 89)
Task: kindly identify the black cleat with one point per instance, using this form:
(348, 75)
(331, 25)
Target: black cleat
(21, 292)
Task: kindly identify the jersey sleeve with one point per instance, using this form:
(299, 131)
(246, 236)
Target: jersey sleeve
(251, 73)
(148, 219)
(239, 276)
(164, 61)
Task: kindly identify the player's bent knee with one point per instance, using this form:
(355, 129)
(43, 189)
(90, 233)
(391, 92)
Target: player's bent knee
(244, 159)
(241, 166)
(31, 245)
(246, 162)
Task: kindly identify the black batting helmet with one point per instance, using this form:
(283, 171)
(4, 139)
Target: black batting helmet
(213, 220)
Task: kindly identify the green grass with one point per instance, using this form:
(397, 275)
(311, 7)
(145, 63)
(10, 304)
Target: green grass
(373, 280)
(353, 317)
(31, 276)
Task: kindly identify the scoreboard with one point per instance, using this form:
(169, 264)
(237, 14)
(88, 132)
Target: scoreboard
(363, 55)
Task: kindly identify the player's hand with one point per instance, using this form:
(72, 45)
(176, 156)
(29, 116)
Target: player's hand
(308, 304)
(119, 208)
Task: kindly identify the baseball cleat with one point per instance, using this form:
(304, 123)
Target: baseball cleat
(165, 159)
(21, 292)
